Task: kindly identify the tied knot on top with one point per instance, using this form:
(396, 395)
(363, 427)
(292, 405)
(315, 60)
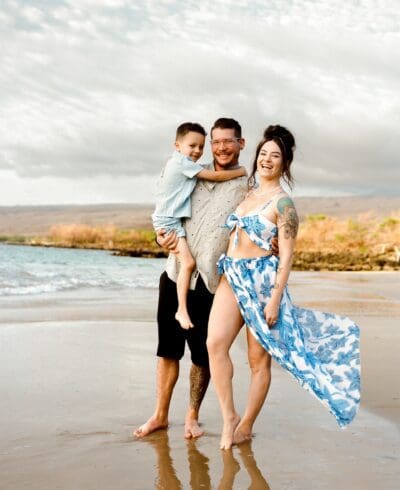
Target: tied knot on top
(259, 231)
(234, 222)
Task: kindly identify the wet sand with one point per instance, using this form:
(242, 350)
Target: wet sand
(78, 376)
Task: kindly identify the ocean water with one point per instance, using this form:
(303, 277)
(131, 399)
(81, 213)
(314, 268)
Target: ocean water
(34, 270)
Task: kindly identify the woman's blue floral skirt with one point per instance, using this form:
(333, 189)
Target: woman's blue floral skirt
(321, 350)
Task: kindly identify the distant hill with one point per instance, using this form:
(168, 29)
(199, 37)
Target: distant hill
(346, 207)
(36, 220)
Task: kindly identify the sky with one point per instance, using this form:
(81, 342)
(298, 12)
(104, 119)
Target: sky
(92, 91)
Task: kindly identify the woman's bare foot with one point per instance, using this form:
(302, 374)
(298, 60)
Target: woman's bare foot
(228, 431)
(231, 468)
(184, 319)
(192, 429)
(242, 434)
(150, 426)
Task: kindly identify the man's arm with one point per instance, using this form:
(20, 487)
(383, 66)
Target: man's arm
(221, 175)
(275, 246)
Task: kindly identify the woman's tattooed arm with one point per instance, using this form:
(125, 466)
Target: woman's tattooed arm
(277, 281)
(287, 217)
(288, 224)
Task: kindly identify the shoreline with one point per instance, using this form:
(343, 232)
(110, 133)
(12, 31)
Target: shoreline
(302, 261)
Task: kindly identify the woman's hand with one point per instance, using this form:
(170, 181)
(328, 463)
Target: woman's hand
(271, 312)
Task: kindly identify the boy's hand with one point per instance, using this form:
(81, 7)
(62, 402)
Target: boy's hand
(275, 246)
(168, 241)
(243, 171)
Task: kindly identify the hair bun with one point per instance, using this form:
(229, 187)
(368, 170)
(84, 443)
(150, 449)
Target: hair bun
(272, 130)
(277, 131)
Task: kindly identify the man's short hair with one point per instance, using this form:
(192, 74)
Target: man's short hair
(187, 127)
(228, 123)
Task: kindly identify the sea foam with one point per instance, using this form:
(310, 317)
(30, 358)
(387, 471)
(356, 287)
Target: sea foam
(35, 270)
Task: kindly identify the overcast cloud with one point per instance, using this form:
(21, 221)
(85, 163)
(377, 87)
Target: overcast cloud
(92, 91)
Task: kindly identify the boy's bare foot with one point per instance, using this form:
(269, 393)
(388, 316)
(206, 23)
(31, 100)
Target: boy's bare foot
(192, 429)
(242, 434)
(184, 320)
(228, 431)
(150, 426)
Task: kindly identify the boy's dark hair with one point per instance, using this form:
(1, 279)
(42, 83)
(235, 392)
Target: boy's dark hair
(228, 123)
(187, 127)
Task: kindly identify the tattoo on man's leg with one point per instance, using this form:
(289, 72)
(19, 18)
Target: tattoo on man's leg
(199, 379)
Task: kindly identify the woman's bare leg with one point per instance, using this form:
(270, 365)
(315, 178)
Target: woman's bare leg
(260, 365)
(224, 325)
(187, 264)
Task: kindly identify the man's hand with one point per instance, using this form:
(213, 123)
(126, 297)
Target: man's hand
(168, 241)
(275, 246)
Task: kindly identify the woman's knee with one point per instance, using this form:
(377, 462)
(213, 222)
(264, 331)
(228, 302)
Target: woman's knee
(260, 362)
(213, 344)
(216, 345)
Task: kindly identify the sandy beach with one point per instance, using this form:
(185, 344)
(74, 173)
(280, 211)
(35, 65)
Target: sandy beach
(78, 375)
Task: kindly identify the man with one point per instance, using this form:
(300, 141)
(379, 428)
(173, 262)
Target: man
(212, 202)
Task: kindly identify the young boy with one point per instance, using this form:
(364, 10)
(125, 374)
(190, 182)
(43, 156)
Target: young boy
(174, 189)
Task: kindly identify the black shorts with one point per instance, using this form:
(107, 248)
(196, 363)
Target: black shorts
(171, 336)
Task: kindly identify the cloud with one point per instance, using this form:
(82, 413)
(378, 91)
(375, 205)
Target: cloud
(97, 88)
(86, 190)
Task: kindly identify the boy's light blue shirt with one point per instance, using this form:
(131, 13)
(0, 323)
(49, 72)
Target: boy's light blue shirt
(175, 186)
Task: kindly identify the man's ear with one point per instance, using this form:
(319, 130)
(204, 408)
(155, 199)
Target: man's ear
(242, 143)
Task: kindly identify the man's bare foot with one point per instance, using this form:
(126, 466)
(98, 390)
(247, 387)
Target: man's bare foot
(192, 429)
(228, 431)
(184, 319)
(242, 434)
(150, 426)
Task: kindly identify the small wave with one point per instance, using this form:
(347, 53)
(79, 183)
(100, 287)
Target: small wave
(30, 270)
(23, 290)
(7, 289)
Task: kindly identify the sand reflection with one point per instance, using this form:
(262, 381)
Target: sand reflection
(257, 480)
(167, 477)
(199, 466)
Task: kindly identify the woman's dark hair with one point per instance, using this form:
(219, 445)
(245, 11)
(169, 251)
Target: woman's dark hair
(285, 140)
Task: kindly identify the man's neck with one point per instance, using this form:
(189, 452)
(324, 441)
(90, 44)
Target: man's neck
(225, 167)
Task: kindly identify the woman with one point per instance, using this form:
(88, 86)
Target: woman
(320, 350)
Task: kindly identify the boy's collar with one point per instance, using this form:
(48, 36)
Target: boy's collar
(177, 154)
